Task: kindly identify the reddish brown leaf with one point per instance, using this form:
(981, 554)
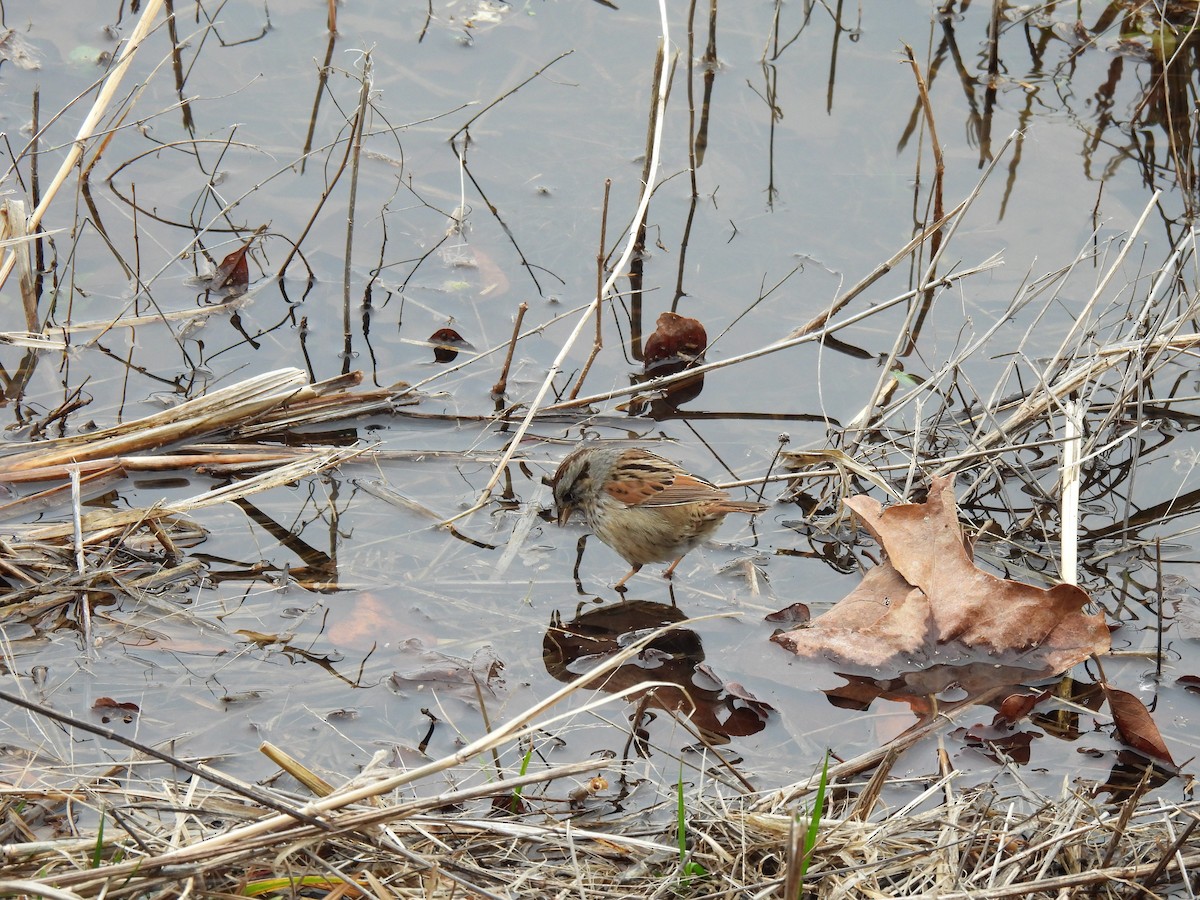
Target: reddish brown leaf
(446, 344)
(1135, 727)
(676, 337)
(929, 602)
(110, 703)
(234, 271)
(110, 709)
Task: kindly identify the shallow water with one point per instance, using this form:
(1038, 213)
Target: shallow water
(812, 177)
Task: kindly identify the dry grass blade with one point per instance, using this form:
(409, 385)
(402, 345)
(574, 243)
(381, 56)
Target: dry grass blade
(192, 419)
(88, 128)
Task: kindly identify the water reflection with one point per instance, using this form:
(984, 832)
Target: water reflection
(717, 709)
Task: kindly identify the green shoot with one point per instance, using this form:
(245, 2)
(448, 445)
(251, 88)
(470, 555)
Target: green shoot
(814, 824)
(515, 804)
(98, 853)
(691, 869)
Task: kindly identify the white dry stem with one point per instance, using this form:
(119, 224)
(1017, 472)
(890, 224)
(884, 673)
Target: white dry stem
(85, 606)
(88, 128)
(1069, 516)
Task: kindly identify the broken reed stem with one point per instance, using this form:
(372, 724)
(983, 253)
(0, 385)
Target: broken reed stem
(360, 118)
(302, 773)
(35, 195)
(598, 341)
(85, 604)
(88, 128)
(939, 165)
(535, 405)
(13, 229)
(499, 388)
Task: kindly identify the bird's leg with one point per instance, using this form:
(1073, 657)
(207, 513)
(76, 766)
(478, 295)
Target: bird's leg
(620, 585)
(671, 568)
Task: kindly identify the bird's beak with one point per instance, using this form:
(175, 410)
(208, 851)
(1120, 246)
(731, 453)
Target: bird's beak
(564, 514)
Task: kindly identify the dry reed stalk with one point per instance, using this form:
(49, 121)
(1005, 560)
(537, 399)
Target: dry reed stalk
(556, 366)
(941, 842)
(501, 385)
(196, 416)
(102, 525)
(1069, 553)
(90, 122)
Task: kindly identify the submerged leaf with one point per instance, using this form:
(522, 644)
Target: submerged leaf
(1135, 727)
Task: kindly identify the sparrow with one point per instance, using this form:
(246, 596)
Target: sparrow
(645, 507)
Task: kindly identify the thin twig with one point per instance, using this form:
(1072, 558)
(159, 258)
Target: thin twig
(598, 341)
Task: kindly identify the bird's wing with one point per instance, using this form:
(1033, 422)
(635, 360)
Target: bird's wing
(662, 487)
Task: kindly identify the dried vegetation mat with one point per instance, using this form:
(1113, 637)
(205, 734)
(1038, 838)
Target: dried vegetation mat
(469, 826)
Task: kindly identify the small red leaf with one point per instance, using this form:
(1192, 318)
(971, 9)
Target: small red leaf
(110, 703)
(233, 271)
(1015, 707)
(676, 337)
(446, 344)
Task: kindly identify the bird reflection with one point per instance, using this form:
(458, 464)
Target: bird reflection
(719, 711)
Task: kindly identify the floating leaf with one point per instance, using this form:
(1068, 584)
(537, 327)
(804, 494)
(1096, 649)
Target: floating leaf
(1015, 707)
(796, 614)
(675, 337)
(17, 50)
(928, 601)
(234, 271)
(112, 709)
(446, 344)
